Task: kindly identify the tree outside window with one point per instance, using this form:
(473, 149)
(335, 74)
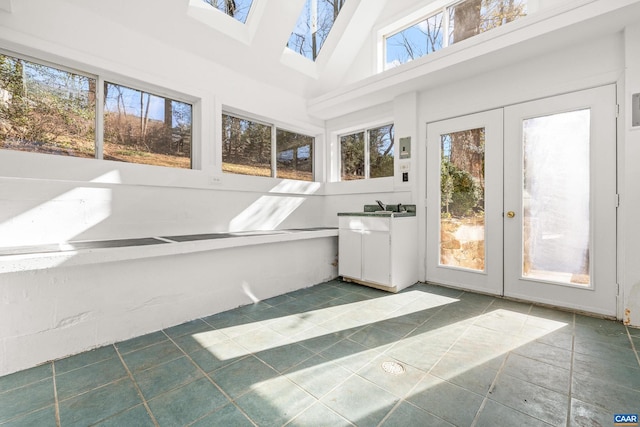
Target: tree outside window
(367, 154)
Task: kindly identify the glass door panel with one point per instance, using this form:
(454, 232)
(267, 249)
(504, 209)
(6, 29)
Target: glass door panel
(462, 199)
(556, 197)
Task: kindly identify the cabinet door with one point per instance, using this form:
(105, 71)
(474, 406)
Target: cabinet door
(350, 253)
(376, 261)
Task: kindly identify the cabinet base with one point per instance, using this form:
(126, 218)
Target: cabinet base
(393, 289)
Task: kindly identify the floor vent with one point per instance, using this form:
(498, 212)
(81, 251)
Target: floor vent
(393, 368)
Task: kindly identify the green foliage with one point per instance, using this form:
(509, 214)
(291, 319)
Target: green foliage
(460, 194)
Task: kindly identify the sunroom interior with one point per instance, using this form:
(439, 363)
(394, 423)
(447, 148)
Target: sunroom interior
(166, 161)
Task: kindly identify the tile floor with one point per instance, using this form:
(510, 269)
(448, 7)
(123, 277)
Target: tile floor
(315, 357)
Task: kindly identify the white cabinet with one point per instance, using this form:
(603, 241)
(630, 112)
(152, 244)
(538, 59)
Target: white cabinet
(379, 251)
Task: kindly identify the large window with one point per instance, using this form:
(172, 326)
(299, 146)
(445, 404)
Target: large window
(45, 109)
(313, 26)
(49, 110)
(143, 128)
(367, 153)
(449, 25)
(247, 149)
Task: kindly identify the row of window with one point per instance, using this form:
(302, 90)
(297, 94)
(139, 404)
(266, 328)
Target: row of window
(49, 110)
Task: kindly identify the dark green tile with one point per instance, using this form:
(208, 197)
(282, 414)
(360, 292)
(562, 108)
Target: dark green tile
(619, 375)
(99, 404)
(218, 355)
(89, 377)
(559, 338)
(83, 359)
(28, 376)
(464, 372)
(607, 333)
(140, 342)
(23, 400)
(261, 339)
(538, 402)
(539, 373)
(188, 328)
(318, 375)
(608, 352)
(237, 378)
(542, 352)
(494, 414)
(319, 415)
(136, 416)
(604, 394)
(225, 417)
(350, 355)
(372, 337)
(165, 377)
(192, 343)
(42, 418)
(187, 404)
(407, 414)
(583, 414)
(284, 357)
(360, 401)
(153, 355)
(436, 396)
(274, 402)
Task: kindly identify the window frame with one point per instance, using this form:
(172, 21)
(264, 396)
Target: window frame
(105, 77)
(274, 126)
(422, 14)
(367, 150)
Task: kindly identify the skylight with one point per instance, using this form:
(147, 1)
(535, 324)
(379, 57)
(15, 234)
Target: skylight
(313, 26)
(237, 9)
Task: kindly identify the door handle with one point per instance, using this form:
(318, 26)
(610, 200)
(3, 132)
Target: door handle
(511, 214)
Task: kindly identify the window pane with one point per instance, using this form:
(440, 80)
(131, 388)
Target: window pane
(413, 42)
(352, 156)
(143, 128)
(381, 151)
(472, 17)
(313, 26)
(246, 147)
(556, 197)
(238, 9)
(46, 110)
(294, 154)
(462, 227)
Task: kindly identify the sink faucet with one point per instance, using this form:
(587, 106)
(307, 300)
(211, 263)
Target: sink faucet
(382, 205)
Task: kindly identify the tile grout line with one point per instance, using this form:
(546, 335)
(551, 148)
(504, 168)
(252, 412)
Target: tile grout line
(135, 384)
(573, 354)
(428, 372)
(206, 375)
(491, 388)
(633, 346)
(56, 405)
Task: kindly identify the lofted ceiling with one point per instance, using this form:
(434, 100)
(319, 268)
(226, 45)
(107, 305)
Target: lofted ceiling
(344, 77)
(257, 48)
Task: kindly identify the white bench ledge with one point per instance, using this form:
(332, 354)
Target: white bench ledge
(94, 252)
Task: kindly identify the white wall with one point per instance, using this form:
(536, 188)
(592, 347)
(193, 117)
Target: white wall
(629, 146)
(51, 313)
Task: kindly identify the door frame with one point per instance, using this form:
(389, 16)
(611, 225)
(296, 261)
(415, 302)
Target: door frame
(423, 193)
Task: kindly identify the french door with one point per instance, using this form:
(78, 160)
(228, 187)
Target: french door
(523, 201)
